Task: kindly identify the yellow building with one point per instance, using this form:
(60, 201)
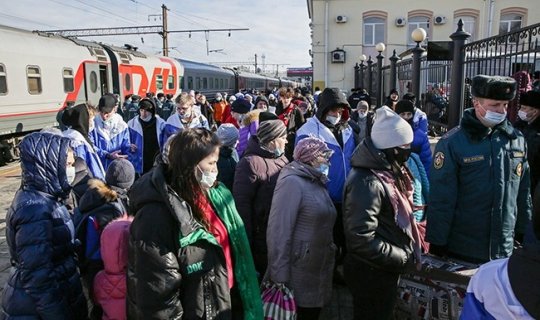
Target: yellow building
(352, 28)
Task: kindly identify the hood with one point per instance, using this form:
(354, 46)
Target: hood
(254, 148)
(43, 163)
(523, 266)
(115, 252)
(368, 157)
(78, 119)
(250, 117)
(97, 194)
(328, 98)
(225, 151)
(477, 131)
(302, 170)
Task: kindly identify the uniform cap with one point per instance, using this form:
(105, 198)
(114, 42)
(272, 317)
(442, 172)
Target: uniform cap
(493, 87)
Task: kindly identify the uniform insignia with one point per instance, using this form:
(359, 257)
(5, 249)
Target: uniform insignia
(519, 169)
(438, 161)
(518, 154)
(507, 90)
(473, 159)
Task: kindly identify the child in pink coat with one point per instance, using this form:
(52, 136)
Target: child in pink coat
(110, 283)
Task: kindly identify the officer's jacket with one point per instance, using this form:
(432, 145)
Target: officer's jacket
(479, 196)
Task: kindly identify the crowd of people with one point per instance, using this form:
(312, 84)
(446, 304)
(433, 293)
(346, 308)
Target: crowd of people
(177, 208)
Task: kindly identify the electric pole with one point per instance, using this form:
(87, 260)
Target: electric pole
(255, 63)
(165, 30)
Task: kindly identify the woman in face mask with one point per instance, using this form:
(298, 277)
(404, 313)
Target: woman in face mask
(301, 249)
(380, 230)
(188, 253)
(147, 135)
(254, 182)
(44, 281)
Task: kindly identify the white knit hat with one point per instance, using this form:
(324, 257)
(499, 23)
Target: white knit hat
(390, 130)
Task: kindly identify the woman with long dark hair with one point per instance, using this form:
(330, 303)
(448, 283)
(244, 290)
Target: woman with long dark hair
(189, 257)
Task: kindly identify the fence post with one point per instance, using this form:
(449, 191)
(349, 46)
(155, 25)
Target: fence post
(370, 77)
(380, 48)
(458, 68)
(362, 68)
(393, 70)
(356, 67)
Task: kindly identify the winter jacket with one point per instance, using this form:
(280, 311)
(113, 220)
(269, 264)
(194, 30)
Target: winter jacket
(219, 110)
(167, 108)
(136, 136)
(294, 120)
(250, 125)
(532, 136)
(110, 136)
(420, 144)
(371, 232)
(176, 269)
(421, 186)
(174, 124)
(226, 166)
(254, 182)
(110, 284)
(44, 281)
(83, 149)
(301, 250)
(340, 161)
(479, 190)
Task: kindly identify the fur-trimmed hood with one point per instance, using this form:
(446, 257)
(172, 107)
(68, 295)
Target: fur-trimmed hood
(98, 193)
(251, 117)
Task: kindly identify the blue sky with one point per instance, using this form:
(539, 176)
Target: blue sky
(278, 28)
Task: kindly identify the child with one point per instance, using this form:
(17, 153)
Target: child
(110, 283)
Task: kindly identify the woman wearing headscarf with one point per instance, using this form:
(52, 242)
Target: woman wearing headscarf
(189, 257)
(44, 281)
(254, 182)
(301, 250)
(147, 135)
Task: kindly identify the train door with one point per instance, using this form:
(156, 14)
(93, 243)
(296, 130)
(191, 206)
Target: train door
(103, 78)
(93, 82)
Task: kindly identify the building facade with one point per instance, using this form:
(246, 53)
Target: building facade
(344, 30)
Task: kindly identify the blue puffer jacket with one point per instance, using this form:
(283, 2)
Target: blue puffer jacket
(44, 281)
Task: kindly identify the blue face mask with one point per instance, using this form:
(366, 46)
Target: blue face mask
(324, 169)
(278, 152)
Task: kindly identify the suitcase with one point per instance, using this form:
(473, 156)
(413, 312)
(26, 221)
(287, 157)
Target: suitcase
(436, 291)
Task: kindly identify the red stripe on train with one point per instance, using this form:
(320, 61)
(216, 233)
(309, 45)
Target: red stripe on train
(10, 115)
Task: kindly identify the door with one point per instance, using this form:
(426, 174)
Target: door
(92, 82)
(104, 79)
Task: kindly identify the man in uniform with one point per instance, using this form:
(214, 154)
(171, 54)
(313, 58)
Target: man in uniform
(479, 183)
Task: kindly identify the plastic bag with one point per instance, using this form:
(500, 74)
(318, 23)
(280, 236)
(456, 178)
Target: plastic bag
(278, 301)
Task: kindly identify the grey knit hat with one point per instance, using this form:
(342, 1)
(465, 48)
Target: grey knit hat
(120, 173)
(270, 130)
(227, 134)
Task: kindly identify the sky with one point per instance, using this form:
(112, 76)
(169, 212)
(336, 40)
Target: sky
(278, 29)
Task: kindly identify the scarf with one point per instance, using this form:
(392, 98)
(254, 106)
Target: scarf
(402, 203)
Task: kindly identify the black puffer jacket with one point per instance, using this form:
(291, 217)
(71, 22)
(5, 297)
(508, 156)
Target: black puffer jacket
(44, 282)
(166, 281)
(226, 166)
(532, 136)
(254, 182)
(368, 217)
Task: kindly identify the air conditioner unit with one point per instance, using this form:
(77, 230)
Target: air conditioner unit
(338, 56)
(401, 22)
(341, 19)
(439, 20)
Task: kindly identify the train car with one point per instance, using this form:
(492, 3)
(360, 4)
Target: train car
(252, 81)
(207, 79)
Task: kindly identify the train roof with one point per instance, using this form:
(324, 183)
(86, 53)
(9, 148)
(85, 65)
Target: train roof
(193, 65)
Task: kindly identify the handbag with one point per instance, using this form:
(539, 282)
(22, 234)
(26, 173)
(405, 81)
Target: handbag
(278, 301)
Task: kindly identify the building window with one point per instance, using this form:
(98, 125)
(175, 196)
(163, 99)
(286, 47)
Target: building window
(373, 31)
(510, 23)
(415, 23)
(33, 76)
(3, 80)
(469, 25)
(68, 79)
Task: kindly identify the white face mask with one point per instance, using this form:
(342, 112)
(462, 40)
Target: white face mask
(207, 179)
(362, 115)
(324, 169)
(272, 109)
(524, 115)
(493, 118)
(333, 120)
(70, 174)
(148, 118)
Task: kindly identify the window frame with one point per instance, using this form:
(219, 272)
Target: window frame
(373, 25)
(3, 74)
(72, 78)
(418, 24)
(36, 76)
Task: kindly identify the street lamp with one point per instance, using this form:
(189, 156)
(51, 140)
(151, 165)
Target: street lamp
(380, 48)
(418, 36)
(370, 77)
(362, 58)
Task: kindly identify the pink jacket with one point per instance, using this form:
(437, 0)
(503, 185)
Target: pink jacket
(110, 283)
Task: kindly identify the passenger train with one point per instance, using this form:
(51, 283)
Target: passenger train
(40, 73)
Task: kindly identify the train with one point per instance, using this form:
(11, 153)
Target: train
(41, 73)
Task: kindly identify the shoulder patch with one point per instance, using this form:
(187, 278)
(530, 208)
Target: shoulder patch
(451, 132)
(438, 160)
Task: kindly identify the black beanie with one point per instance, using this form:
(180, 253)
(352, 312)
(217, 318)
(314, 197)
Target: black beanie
(270, 130)
(120, 173)
(404, 106)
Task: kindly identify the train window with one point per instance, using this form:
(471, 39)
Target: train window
(221, 84)
(216, 83)
(211, 83)
(189, 83)
(205, 83)
(67, 73)
(170, 82)
(93, 82)
(227, 83)
(127, 82)
(33, 76)
(3, 80)
(159, 82)
(181, 82)
(197, 83)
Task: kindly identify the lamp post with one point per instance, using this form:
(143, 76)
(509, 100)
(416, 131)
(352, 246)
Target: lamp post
(418, 35)
(393, 70)
(370, 77)
(380, 48)
(356, 67)
(361, 69)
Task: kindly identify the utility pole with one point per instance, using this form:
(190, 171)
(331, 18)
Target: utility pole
(255, 63)
(165, 31)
